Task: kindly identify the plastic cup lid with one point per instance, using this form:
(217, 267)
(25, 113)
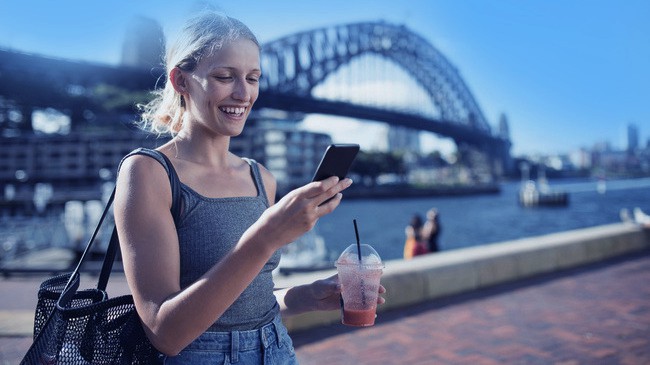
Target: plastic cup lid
(350, 256)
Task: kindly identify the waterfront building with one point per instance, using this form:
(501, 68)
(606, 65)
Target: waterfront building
(404, 139)
(581, 159)
(77, 164)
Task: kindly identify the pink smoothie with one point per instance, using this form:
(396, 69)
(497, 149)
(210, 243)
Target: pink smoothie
(355, 317)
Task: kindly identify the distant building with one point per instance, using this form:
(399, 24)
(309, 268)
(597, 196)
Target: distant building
(581, 159)
(610, 160)
(504, 128)
(404, 139)
(78, 163)
(144, 44)
(632, 137)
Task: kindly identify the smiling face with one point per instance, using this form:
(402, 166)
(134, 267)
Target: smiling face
(220, 92)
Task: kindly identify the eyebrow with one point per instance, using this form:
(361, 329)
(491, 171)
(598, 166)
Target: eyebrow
(232, 68)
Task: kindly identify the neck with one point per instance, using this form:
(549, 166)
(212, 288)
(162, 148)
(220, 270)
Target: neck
(199, 148)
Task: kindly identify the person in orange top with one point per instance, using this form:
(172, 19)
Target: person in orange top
(414, 245)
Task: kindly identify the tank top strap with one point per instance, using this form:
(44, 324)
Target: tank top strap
(259, 183)
(174, 181)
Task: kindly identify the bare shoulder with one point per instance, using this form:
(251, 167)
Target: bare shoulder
(143, 167)
(142, 174)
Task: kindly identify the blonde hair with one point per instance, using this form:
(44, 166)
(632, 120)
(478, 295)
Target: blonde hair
(201, 36)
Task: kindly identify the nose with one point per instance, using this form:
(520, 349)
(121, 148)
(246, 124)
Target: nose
(242, 91)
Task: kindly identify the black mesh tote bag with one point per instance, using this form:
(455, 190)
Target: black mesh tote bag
(75, 327)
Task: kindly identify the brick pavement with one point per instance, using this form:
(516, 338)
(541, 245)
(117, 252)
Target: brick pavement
(598, 314)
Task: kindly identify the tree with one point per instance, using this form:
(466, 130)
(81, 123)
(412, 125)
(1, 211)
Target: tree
(369, 165)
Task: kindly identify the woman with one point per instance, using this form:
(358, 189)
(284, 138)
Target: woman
(414, 245)
(431, 230)
(204, 288)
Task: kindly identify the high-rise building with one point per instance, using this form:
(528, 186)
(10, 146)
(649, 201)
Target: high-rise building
(504, 128)
(632, 137)
(144, 44)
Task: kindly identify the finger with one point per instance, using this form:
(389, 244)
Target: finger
(334, 192)
(380, 299)
(317, 188)
(328, 204)
(336, 188)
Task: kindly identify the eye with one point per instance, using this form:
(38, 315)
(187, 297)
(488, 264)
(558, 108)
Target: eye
(223, 78)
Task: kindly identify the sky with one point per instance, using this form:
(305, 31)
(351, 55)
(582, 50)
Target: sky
(567, 74)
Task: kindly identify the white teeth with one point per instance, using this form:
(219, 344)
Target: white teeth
(231, 110)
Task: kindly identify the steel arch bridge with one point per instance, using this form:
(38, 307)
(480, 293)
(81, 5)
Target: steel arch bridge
(294, 65)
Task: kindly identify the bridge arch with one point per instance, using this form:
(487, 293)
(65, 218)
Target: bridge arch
(295, 64)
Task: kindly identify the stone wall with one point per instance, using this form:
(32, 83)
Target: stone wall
(462, 270)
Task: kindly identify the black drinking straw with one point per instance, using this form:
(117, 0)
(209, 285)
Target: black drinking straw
(363, 290)
(356, 232)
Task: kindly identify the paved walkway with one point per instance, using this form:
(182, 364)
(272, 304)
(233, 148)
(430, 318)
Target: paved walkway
(598, 314)
(594, 315)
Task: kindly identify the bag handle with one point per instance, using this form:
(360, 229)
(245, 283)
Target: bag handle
(111, 251)
(175, 184)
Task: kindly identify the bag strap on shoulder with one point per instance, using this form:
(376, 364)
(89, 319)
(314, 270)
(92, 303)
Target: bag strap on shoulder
(175, 185)
(174, 181)
(111, 251)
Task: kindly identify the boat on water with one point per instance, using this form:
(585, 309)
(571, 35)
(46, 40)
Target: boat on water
(539, 193)
(308, 253)
(533, 194)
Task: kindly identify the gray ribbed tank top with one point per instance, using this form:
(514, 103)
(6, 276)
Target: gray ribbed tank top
(208, 229)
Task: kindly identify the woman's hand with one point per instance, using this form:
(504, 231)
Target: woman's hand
(321, 295)
(298, 211)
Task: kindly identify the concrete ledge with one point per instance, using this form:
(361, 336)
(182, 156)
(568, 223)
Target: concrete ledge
(452, 272)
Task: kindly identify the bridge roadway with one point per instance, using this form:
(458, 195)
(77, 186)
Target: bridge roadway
(593, 314)
(306, 104)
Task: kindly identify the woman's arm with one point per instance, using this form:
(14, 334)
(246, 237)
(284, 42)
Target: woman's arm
(173, 317)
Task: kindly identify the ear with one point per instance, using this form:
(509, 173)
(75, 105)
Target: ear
(177, 78)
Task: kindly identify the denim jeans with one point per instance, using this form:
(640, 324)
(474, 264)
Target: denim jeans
(270, 344)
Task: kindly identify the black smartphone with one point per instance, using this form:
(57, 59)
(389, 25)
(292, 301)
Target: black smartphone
(336, 161)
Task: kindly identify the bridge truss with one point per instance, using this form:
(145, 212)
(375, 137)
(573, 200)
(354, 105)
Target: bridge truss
(294, 65)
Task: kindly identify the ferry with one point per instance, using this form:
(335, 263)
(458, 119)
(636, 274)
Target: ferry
(532, 194)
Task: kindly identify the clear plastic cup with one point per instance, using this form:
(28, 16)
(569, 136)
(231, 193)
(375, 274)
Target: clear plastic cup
(359, 284)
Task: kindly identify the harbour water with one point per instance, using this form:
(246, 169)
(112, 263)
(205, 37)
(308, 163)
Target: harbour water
(465, 220)
(483, 219)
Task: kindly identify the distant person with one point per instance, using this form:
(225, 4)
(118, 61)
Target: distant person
(414, 244)
(638, 216)
(431, 230)
(202, 284)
